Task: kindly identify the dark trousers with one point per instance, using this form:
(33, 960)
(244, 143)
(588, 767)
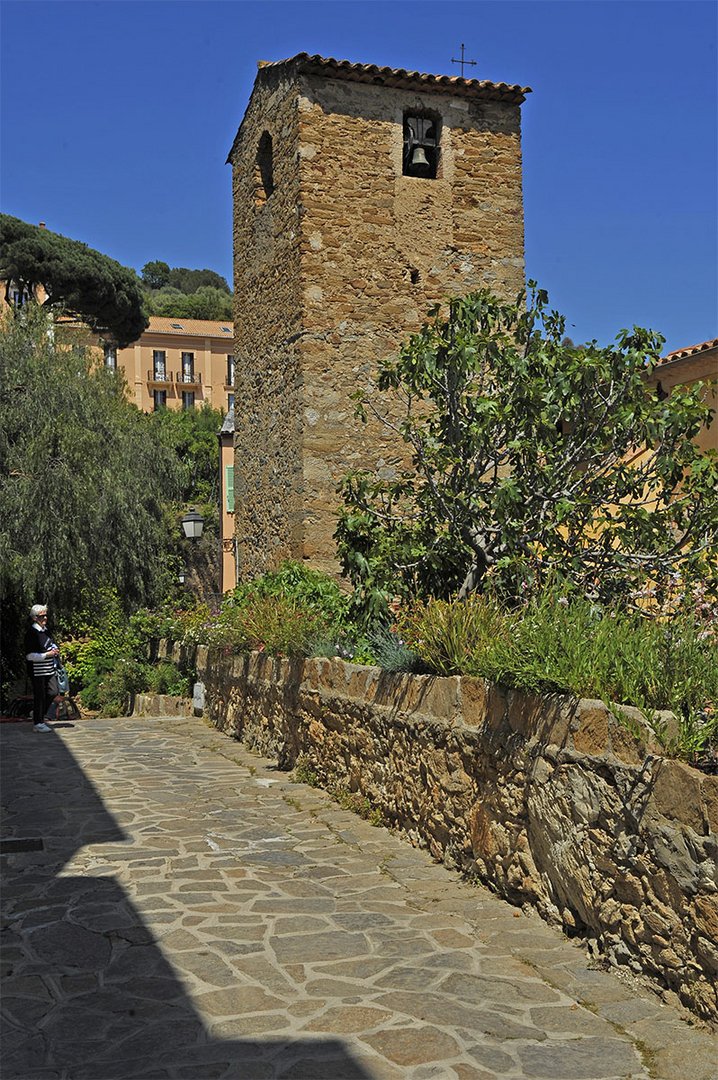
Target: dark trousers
(44, 689)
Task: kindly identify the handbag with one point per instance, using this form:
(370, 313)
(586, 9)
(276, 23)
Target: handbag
(67, 710)
(63, 679)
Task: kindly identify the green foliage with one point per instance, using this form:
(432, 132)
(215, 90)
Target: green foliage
(84, 480)
(566, 643)
(292, 611)
(191, 281)
(166, 678)
(96, 636)
(155, 274)
(287, 612)
(186, 294)
(529, 457)
(77, 279)
(191, 436)
(106, 655)
(390, 652)
(292, 580)
(277, 625)
(358, 804)
(148, 625)
(189, 625)
(695, 740)
(207, 303)
(103, 655)
(112, 691)
(345, 643)
(303, 773)
(451, 637)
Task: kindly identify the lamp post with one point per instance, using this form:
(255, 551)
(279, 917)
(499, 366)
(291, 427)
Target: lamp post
(193, 524)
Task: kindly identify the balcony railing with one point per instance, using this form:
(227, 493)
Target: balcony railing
(159, 377)
(188, 379)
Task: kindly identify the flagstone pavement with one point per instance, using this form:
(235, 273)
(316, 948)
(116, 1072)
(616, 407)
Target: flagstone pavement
(186, 911)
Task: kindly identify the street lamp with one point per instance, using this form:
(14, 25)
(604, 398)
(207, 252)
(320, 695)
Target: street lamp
(182, 576)
(193, 524)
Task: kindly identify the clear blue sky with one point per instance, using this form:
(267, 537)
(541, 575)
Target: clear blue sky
(117, 118)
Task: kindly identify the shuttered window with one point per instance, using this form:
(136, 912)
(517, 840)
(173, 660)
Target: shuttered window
(229, 488)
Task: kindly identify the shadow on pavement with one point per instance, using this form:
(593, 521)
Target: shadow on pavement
(88, 993)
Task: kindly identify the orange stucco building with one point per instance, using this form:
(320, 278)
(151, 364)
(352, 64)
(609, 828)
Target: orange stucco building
(695, 363)
(179, 363)
(183, 364)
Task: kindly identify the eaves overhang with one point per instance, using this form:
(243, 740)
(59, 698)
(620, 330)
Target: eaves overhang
(372, 74)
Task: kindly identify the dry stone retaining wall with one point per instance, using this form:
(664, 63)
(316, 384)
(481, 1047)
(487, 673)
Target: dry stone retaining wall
(550, 801)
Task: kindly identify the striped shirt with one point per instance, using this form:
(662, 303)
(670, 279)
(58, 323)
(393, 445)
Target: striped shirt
(37, 643)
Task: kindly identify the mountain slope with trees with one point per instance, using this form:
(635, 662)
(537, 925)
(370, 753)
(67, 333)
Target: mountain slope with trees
(178, 292)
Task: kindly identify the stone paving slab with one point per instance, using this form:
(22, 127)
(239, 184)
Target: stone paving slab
(193, 913)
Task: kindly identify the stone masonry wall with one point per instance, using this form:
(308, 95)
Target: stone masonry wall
(550, 801)
(336, 268)
(267, 319)
(378, 249)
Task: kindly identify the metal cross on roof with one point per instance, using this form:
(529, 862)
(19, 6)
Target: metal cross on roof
(462, 61)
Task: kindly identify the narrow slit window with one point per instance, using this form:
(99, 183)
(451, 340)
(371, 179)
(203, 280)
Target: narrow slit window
(422, 137)
(264, 170)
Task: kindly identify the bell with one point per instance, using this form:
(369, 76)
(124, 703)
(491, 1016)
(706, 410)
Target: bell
(418, 158)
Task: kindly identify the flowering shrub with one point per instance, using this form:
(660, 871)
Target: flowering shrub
(678, 599)
(345, 645)
(390, 651)
(173, 623)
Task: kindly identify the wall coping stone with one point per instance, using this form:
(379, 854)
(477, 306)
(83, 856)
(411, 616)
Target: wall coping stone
(155, 705)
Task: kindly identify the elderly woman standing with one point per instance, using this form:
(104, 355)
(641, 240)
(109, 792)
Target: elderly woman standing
(41, 652)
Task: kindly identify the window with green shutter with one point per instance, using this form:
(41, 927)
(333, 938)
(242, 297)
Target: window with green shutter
(229, 488)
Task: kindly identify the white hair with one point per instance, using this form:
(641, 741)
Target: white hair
(37, 609)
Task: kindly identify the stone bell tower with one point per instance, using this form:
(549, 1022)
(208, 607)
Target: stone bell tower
(362, 195)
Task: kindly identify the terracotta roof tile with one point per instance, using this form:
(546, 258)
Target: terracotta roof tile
(159, 324)
(690, 350)
(386, 76)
